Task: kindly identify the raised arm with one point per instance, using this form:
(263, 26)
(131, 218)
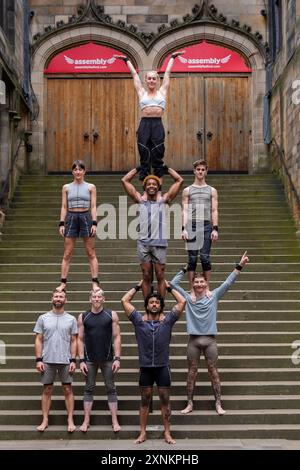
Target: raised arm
(127, 298)
(179, 307)
(117, 341)
(136, 79)
(174, 189)
(166, 81)
(220, 291)
(128, 186)
(214, 214)
(176, 282)
(185, 212)
(64, 208)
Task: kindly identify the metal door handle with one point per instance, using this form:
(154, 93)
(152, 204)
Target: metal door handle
(209, 135)
(86, 135)
(95, 136)
(199, 135)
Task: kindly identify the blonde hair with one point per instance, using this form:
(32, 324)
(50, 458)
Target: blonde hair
(157, 77)
(96, 291)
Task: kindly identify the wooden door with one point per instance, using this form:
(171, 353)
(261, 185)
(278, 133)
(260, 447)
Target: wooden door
(68, 119)
(208, 117)
(227, 123)
(114, 120)
(92, 119)
(184, 122)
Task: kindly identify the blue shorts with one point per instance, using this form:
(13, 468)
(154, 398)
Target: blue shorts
(160, 375)
(78, 224)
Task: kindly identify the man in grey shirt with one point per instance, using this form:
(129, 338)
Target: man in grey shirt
(201, 319)
(55, 350)
(152, 243)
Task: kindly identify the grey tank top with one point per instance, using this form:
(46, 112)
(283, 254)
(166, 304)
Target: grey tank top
(152, 223)
(200, 202)
(79, 196)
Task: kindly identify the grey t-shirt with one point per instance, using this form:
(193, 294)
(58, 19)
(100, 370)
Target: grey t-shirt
(57, 330)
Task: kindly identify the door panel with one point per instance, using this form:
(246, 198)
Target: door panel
(114, 117)
(68, 119)
(227, 123)
(183, 119)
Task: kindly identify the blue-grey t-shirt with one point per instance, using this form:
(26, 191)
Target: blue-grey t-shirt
(57, 330)
(153, 338)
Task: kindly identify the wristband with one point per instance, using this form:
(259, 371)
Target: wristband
(183, 228)
(39, 359)
(95, 222)
(117, 358)
(61, 223)
(137, 288)
(238, 267)
(169, 289)
(73, 359)
(82, 360)
(216, 228)
(125, 59)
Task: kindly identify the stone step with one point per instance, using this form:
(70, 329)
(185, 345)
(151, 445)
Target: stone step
(178, 388)
(125, 403)
(248, 431)
(180, 337)
(208, 418)
(124, 375)
(231, 327)
(225, 361)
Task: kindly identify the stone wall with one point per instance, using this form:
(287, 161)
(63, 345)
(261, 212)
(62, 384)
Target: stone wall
(147, 15)
(285, 105)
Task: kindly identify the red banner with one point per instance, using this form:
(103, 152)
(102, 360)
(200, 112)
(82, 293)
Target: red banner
(206, 57)
(89, 58)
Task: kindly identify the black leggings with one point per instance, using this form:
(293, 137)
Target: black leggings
(151, 145)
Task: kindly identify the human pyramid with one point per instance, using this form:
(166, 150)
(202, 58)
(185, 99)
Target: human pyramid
(95, 337)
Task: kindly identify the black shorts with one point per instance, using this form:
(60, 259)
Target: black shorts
(160, 375)
(78, 224)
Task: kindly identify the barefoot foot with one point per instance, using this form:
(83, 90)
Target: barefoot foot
(71, 427)
(188, 409)
(84, 427)
(169, 439)
(61, 287)
(140, 439)
(219, 409)
(116, 427)
(42, 426)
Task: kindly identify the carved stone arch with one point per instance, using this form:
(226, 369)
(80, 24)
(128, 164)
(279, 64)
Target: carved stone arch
(49, 47)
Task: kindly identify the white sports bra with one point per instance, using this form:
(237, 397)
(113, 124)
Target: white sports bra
(157, 100)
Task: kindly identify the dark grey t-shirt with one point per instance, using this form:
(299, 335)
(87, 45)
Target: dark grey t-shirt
(153, 339)
(57, 330)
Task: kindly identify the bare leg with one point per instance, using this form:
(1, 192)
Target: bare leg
(191, 275)
(164, 396)
(69, 400)
(65, 264)
(93, 261)
(147, 270)
(113, 406)
(207, 276)
(146, 396)
(46, 403)
(160, 276)
(87, 407)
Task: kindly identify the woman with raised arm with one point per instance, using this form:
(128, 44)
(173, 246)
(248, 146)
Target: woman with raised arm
(78, 218)
(151, 133)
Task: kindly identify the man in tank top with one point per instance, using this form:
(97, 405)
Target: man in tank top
(99, 345)
(152, 243)
(199, 220)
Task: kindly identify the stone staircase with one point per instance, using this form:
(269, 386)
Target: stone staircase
(258, 318)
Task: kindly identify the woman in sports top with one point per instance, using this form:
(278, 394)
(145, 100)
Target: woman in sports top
(151, 133)
(78, 218)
